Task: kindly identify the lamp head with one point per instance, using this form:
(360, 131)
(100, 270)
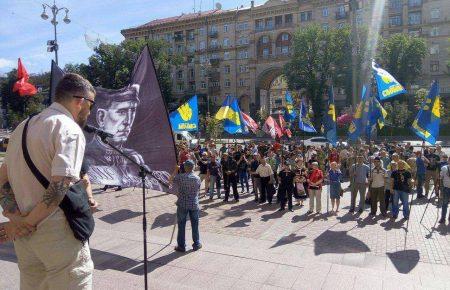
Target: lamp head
(66, 18)
(44, 14)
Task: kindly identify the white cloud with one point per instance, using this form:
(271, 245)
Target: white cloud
(7, 63)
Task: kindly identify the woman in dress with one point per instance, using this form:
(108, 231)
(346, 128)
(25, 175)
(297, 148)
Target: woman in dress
(335, 178)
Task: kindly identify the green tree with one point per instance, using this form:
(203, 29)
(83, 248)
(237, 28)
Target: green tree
(402, 55)
(19, 108)
(318, 54)
(398, 114)
(213, 127)
(111, 65)
(420, 96)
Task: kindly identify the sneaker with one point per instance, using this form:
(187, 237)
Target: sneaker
(291, 210)
(180, 249)
(197, 247)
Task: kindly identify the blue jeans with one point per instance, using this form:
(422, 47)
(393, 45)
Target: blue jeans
(420, 181)
(404, 197)
(243, 179)
(214, 181)
(445, 199)
(182, 214)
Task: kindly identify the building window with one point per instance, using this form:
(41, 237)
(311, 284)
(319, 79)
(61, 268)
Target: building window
(435, 13)
(243, 41)
(202, 45)
(180, 75)
(213, 29)
(414, 18)
(180, 48)
(201, 31)
(434, 31)
(434, 48)
(225, 27)
(191, 48)
(269, 23)
(266, 52)
(325, 26)
(414, 3)
(285, 37)
(259, 24)
(265, 39)
(243, 54)
(242, 26)
(241, 82)
(279, 20)
(202, 58)
(226, 69)
(243, 68)
(227, 83)
(226, 55)
(180, 87)
(395, 21)
(396, 5)
(190, 35)
(285, 50)
(226, 42)
(434, 66)
(213, 43)
(305, 16)
(191, 73)
(288, 19)
(203, 85)
(414, 32)
(325, 12)
(341, 25)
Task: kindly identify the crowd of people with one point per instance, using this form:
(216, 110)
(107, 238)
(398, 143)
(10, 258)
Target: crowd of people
(381, 175)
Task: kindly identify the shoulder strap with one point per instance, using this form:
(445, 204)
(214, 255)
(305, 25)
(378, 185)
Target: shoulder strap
(41, 178)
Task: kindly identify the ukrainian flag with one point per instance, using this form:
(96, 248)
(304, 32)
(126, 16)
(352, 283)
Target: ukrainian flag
(289, 112)
(360, 117)
(185, 118)
(231, 114)
(377, 116)
(305, 123)
(426, 124)
(329, 120)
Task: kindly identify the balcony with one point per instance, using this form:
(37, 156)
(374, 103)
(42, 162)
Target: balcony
(178, 37)
(342, 15)
(214, 48)
(414, 4)
(264, 28)
(214, 89)
(213, 34)
(284, 25)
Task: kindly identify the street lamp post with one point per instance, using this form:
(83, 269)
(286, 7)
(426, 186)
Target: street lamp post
(52, 45)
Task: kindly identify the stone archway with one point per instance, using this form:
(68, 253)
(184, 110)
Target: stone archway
(269, 87)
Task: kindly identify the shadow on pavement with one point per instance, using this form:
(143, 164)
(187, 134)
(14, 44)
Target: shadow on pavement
(157, 263)
(120, 216)
(276, 214)
(391, 224)
(169, 219)
(240, 223)
(404, 261)
(338, 242)
(292, 238)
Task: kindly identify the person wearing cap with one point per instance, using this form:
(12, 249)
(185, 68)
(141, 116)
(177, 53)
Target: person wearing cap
(445, 192)
(115, 113)
(377, 185)
(188, 185)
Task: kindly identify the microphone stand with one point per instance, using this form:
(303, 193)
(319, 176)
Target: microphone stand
(143, 171)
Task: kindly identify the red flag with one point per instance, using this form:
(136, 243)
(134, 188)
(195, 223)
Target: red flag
(284, 130)
(249, 122)
(22, 86)
(271, 127)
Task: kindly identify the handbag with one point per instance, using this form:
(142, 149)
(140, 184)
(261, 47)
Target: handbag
(75, 204)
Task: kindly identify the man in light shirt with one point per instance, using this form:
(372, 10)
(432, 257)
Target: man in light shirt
(358, 176)
(265, 172)
(50, 257)
(445, 183)
(377, 184)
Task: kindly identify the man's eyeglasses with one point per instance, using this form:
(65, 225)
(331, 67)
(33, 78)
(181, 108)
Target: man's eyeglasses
(91, 106)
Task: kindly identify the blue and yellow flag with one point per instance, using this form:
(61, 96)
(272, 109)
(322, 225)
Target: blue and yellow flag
(387, 85)
(426, 124)
(185, 118)
(377, 116)
(305, 123)
(329, 120)
(231, 114)
(360, 117)
(289, 112)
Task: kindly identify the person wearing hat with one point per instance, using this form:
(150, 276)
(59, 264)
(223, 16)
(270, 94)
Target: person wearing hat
(188, 185)
(376, 187)
(115, 113)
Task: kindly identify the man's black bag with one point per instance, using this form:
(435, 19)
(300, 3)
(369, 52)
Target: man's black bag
(75, 204)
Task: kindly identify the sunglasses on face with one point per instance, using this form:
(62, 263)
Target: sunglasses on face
(92, 102)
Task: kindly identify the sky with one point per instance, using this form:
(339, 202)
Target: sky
(24, 34)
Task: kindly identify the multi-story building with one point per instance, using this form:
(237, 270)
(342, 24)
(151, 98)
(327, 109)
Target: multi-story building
(241, 52)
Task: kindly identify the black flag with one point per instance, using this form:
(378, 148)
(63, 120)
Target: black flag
(137, 117)
(56, 74)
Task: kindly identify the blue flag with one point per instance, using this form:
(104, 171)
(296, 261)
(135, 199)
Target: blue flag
(289, 112)
(426, 124)
(231, 114)
(305, 123)
(185, 118)
(360, 117)
(377, 115)
(329, 120)
(387, 85)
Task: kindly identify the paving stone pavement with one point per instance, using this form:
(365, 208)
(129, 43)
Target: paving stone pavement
(251, 246)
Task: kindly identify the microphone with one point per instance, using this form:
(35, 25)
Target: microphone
(102, 134)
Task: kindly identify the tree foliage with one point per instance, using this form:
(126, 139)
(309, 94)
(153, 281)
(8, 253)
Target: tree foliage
(398, 115)
(111, 65)
(318, 55)
(420, 96)
(213, 127)
(402, 55)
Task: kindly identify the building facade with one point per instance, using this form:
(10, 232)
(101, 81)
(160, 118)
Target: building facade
(241, 52)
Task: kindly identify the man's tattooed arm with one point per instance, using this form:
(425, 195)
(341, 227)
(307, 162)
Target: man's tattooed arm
(7, 199)
(56, 192)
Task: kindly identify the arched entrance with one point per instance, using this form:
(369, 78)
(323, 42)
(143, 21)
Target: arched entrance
(270, 90)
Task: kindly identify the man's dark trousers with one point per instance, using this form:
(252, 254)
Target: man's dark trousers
(231, 180)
